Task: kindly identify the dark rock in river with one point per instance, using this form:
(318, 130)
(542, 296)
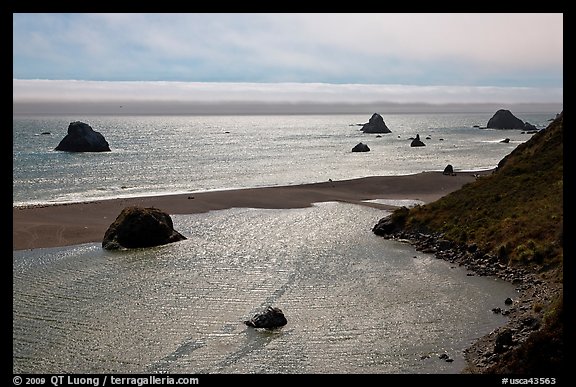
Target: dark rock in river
(375, 125)
(270, 319)
(140, 227)
(82, 138)
(361, 148)
(417, 141)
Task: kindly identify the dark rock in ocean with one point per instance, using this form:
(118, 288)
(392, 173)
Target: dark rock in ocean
(505, 141)
(82, 138)
(508, 301)
(530, 128)
(449, 170)
(417, 141)
(271, 318)
(45, 133)
(140, 227)
(361, 148)
(375, 125)
(504, 119)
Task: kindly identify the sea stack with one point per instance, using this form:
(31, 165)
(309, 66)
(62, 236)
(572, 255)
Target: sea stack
(417, 141)
(82, 138)
(504, 119)
(375, 125)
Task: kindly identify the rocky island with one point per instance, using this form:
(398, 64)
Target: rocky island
(82, 138)
(376, 124)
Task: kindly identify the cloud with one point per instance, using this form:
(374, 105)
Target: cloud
(426, 49)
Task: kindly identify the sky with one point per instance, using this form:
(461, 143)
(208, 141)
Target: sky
(209, 59)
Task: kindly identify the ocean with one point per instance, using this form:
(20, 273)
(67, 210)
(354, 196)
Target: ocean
(355, 302)
(179, 154)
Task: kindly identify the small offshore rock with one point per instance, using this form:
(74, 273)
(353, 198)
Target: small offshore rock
(417, 142)
(361, 147)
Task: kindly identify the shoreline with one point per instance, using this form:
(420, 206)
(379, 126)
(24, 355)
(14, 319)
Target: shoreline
(525, 313)
(57, 225)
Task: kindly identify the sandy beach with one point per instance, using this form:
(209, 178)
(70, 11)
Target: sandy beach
(77, 223)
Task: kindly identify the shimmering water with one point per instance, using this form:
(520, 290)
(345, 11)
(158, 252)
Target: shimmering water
(355, 302)
(168, 154)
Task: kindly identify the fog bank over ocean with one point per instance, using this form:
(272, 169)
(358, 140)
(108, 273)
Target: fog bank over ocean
(41, 96)
(239, 108)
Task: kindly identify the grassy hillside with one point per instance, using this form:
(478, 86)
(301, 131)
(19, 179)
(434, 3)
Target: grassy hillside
(516, 214)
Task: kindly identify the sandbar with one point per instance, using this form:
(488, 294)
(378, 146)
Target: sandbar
(57, 225)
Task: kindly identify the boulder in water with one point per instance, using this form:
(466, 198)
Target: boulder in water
(271, 318)
(140, 227)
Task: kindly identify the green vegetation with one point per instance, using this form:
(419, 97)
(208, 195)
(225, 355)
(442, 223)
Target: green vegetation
(516, 214)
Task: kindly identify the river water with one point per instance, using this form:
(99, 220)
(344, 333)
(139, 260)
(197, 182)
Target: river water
(355, 302)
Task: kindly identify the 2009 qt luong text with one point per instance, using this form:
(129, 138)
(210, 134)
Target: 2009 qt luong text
(103, 380)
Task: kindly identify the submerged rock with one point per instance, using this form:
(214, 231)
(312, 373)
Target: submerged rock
(271, 318)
